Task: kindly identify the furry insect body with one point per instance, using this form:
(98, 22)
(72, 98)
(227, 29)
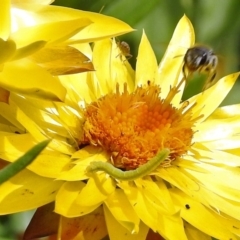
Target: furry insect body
(125, 50)
(203, 60)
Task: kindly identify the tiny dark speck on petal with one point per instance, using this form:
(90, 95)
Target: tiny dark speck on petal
(187, 206)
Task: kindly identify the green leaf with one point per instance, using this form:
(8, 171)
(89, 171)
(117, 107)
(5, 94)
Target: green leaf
(22, 162)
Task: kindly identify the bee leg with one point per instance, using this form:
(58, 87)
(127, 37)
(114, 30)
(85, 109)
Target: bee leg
(185, 72)
(210, 81)
(213, 76)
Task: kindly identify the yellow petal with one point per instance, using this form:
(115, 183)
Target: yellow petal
(21, 194)
(79, 82)
(8, 113)
(7, 127)
(145, 211)
(47, 164)
(69, 119)
(81, 88)
(216, 177)
(170, 68)
(230, 223)
(122, 71)
(92, 152)
(66, 200)
(7, 49)
(51, 33)
(57, 143)
(61, 60)
(77, 169)
(214, 157)
(209, 100)
(181, 180)
(34, 80)
(28, 50)
(84, 48)
(225, 112)
(57, 116)
(15, 145)
(190, 185)
(74, 172)
(5, 19)
(98, 29)
(93, 32)
(120, 208)
(219, 133)
(154, 189)
(172, 227)
(169, 226)
(200, 217)
(110, 69)
(224, 144)
(117, 232)
(101, 62)
(194, 233)
(97, 190)
(221, 204)
(146, 66)
(216, 129)
(91, 226)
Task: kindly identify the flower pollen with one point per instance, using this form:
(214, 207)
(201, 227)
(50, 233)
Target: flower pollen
(133, 127)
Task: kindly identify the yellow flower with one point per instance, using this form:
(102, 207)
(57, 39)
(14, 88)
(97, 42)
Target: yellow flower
(38, 41)
(124, 117)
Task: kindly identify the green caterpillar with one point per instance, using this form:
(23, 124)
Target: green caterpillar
(143, 170)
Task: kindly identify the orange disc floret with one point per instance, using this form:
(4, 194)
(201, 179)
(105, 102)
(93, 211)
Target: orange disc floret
(133, 127)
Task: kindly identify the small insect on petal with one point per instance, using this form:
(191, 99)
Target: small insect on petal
(201, 59)
(62, 60)
(187, 206)
(125, 50)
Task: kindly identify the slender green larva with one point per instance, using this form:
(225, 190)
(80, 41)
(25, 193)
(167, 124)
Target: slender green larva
(143, 170)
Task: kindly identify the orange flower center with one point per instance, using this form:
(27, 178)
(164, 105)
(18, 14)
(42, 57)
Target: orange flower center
(133, 127)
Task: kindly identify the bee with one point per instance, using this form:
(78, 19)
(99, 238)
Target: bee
(201, 59)
(125, 50)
